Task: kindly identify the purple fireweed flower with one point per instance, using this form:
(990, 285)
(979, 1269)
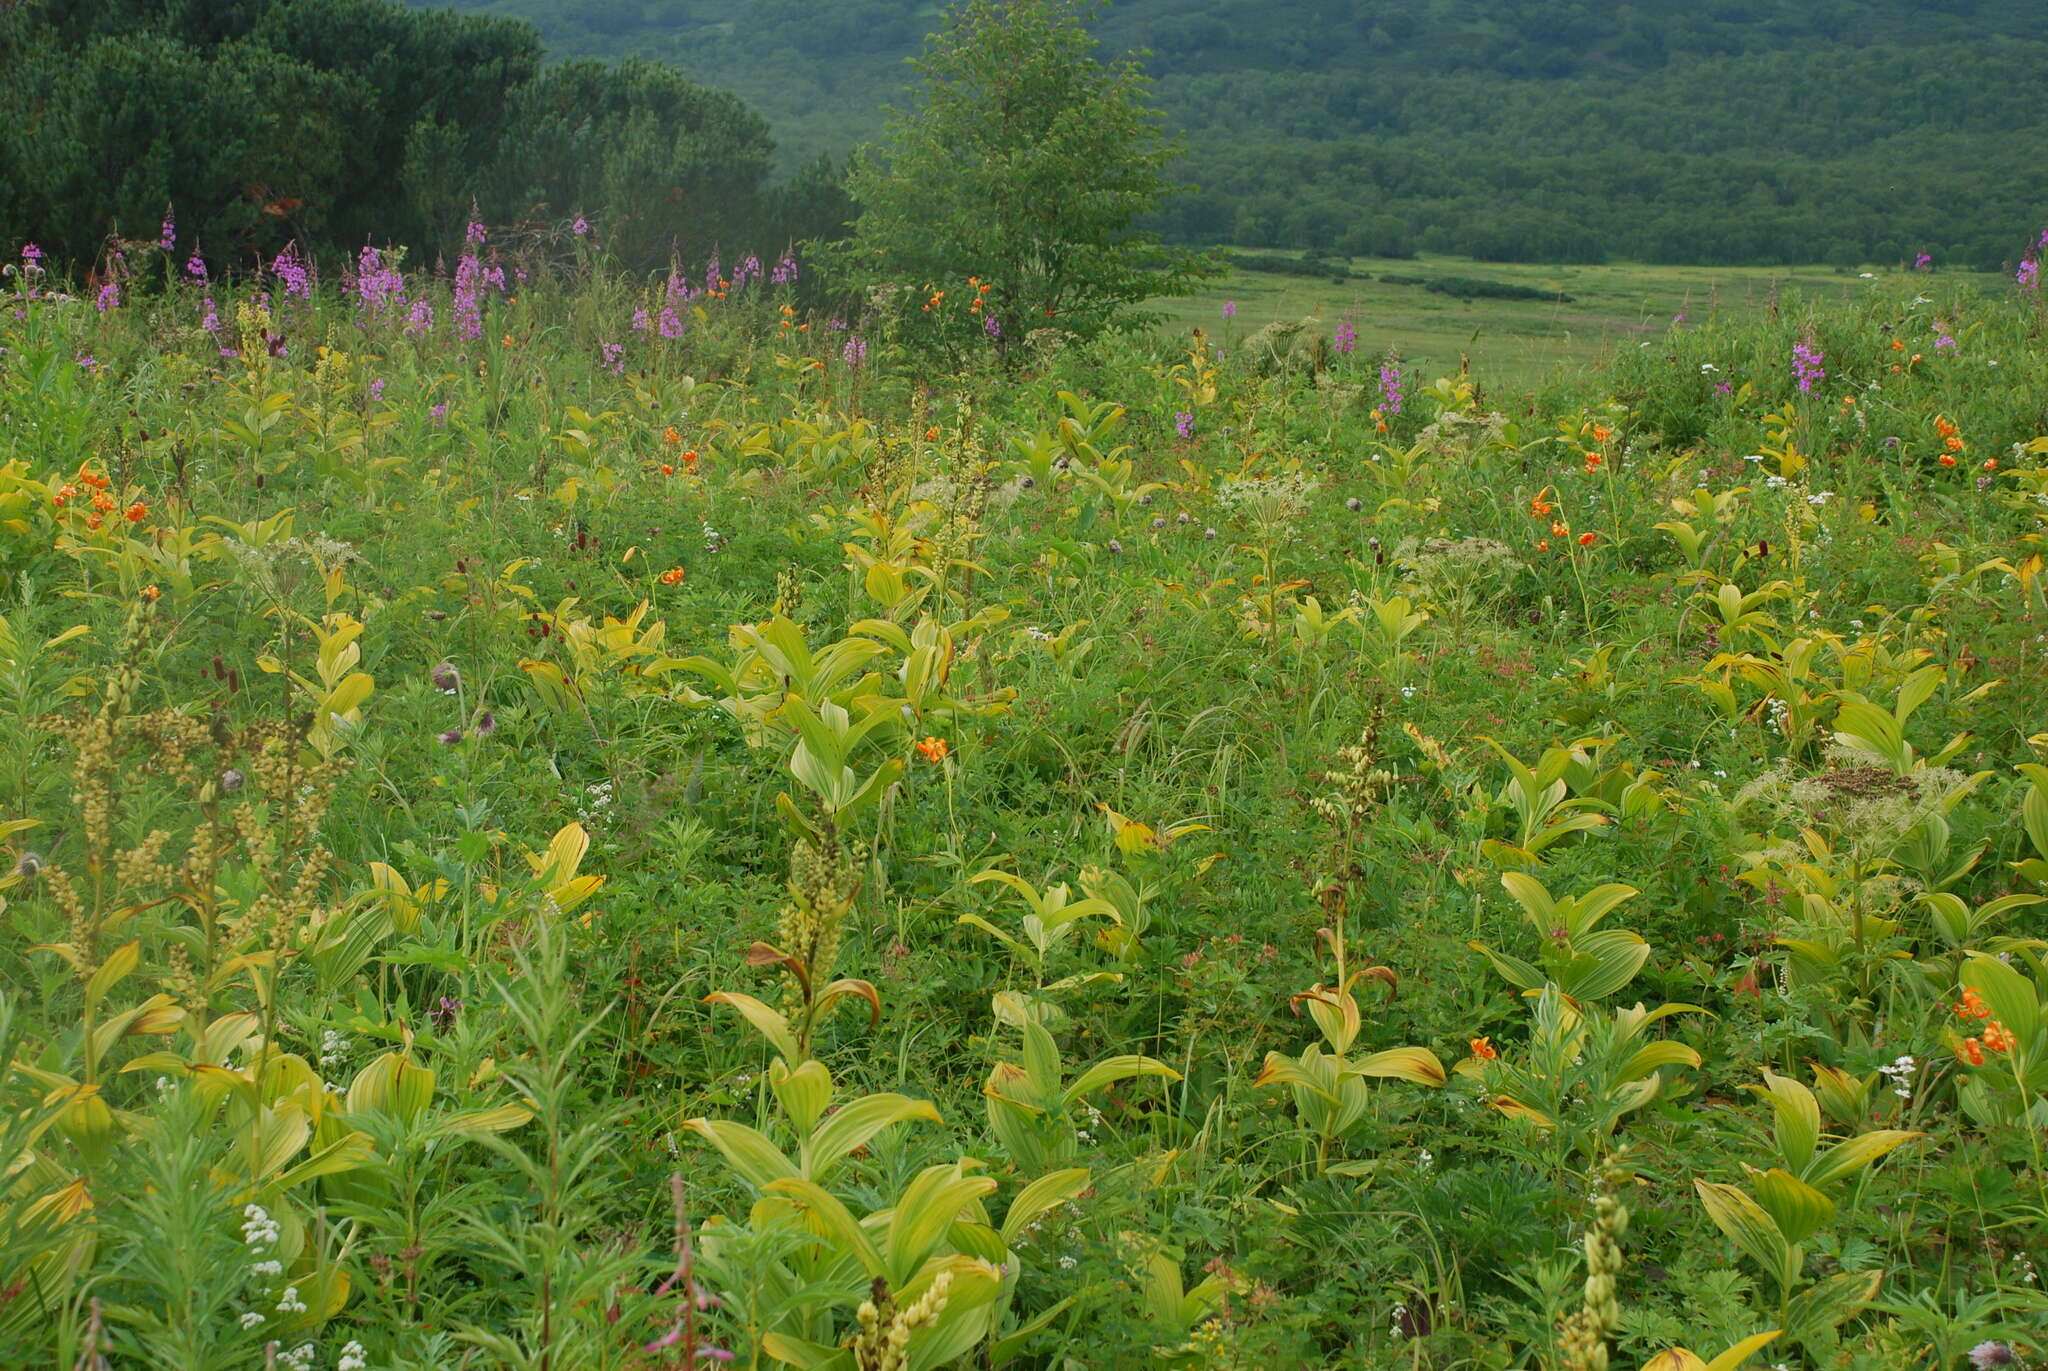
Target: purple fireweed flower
(1924, 262)
(293, 273)
(1230, 309)
(195, 265)
(670, 323)
(167, 236)
(2029, 274)
(711, 273)
(209, 318)
(439, 414)
(1184, 423)
(473, 234)
(1807, 368)
(785, 272)
(88, 363)
(1944, 341)
(442, 1015)
(856, 350)
(1390, 388)
(615, 358)
(465, 304)
(750, 270)
(993, 327)
(1724, 388)
(421, 318)
(377, 390)
(376, 284)
(31, 254)
(1346, 339)
(493, 276)
(580, 227)
(109, 298)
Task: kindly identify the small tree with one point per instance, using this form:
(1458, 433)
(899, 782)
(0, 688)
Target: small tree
(1025, 166)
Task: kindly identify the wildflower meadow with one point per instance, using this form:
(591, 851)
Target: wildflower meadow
(559, 817)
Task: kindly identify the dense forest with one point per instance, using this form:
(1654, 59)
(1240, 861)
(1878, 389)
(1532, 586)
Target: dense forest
(1715, 131)
(333, 124)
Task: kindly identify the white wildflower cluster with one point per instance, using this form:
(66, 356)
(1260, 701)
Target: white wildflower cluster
(597, 803)
(714, 541)
(334, 1049)
(299, 1358)
(353, 1358)
(1094, 1120)
(289, 1302)
(1900, 1073)
(259, 1230)
(1271, 503)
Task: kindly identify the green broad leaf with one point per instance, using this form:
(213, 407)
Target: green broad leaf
(930, 1204)
(829, 1219)
(1514, 970)
(769, 1023)
(1832, 1302)
(758, 1161)
(1747, 1224)
(804, 1092)
(1654, 1056)
(475, 1122)
(1603, 962)
(1048, 1191)
(1416, 1065)
(2010, 995)
(806, 1356)
(854, 1125)
(1533, 897)
(1598, 903)
(968, 1318)
(976, 921)
(1797, 1115)
(1797, 1208)
(1280, 1070)
(872, 790)
(1042, 1067)
(1110, 1070)
(1847, 1158)
(1682, 1359)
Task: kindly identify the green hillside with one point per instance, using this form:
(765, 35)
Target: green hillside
(1666, 130)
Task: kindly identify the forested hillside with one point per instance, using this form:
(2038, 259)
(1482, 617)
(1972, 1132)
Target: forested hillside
(246, 125)
(1668, 130)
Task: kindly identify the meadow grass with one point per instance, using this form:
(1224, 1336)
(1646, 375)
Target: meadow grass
(540, 844)
(1510, 342)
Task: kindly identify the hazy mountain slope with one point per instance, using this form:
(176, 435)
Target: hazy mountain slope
(1677, 129)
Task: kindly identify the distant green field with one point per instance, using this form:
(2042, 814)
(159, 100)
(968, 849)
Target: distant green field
(1518, 341)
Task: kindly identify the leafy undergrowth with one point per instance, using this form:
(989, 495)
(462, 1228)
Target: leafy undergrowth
(584, 844)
